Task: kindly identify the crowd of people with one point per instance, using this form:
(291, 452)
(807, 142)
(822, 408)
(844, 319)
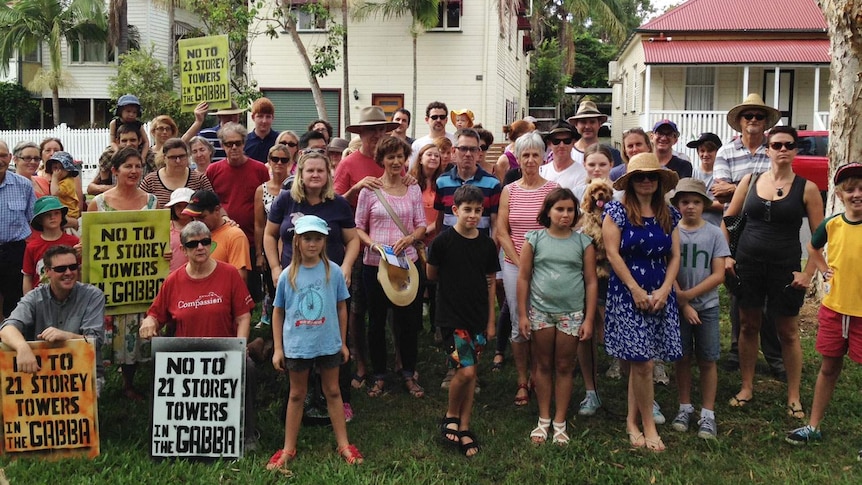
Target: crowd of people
(582, 245)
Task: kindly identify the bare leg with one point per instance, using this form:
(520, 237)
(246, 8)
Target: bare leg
(293, 416)
(641, 395)
(791, 352)
(521, 355)
(830, 369)
(708, 383)
(543, 342)
(564, 356)
(749, 334)
(683, 379)
(334, 405)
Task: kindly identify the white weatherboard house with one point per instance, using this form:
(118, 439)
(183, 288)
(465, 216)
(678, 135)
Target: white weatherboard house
(695, 62)
(469, 61)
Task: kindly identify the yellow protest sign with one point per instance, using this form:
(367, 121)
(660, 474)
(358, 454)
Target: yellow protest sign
(52, 412)
(204, 72)
(123, 255)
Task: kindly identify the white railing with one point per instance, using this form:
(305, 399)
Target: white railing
(821, 120)
(691, 124)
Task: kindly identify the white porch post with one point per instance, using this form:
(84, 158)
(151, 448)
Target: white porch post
(816, 97)
(745, 76)
(777, 84)
(647, 88)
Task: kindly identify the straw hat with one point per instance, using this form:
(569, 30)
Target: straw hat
(752, 101)
(45, 204)
(372, 116)
(400, 285)
(233, 110)
(647, 162)
(455, 113)
(588, 109)
(690, 185)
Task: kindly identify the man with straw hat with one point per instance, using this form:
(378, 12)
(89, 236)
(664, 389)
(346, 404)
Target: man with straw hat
(587, 120)
(735, 159)
(359, 170)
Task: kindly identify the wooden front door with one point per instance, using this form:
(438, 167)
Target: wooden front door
(389, 102)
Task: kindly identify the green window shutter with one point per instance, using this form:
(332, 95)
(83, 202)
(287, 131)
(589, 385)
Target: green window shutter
(294, 109)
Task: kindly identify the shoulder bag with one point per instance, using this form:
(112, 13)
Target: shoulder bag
(419, 245)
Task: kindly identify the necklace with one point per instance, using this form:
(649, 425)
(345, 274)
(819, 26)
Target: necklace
(779, 191)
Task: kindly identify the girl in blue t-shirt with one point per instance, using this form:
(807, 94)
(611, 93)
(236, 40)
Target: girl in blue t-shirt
(557, 299)
(309, 326)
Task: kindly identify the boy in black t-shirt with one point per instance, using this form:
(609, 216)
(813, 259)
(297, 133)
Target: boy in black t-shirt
(465, 263)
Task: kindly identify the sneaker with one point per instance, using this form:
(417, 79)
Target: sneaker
(681, 421)
(614, 370)
(590, 405)
(659, 374)
(707, 429)
(657, 416)
(801, 436)
(348, 412)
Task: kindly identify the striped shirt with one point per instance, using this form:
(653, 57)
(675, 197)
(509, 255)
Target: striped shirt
(524, 206)
(734, 161)
(449, 182)
(16, 199)
(153, 184)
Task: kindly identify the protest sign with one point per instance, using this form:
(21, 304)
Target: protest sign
(204, 72)
(198, 397)
(52, 412)
(123, 255)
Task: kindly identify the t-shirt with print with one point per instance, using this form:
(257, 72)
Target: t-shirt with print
(697, 250)
(36, 247)
(230, 246)
(311, 327)
(557, 285)
(205, 307)
(463, 265)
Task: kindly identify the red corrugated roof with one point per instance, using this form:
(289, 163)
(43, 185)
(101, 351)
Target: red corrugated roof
(812, 51)
(740, 15)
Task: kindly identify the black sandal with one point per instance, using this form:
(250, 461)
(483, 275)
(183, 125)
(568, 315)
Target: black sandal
(466, 447)
(446, 430)
(357, 381)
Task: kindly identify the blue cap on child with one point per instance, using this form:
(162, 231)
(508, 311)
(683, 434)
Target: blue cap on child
(310, 224)
(65, 160)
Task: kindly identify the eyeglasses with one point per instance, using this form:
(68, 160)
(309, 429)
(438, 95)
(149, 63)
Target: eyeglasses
(667, 134)
(65, 267)
(319, 151)
(162, 128)
(464, 149)
(5, 155)
(30, 159)
(284, 160)
(176, 158)
(641, 176)
(194, 244)
(557, 141)
(437, 117)
(484, 148)
(291, 144)
(232, 144)
(776, 145)
(755, 116)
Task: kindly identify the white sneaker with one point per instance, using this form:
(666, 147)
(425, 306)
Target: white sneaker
(590, 405)
(657, 416)
(614, 370)
(659, 374)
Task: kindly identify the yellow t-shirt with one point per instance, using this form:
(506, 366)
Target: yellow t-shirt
(68, 195)
(844, 256)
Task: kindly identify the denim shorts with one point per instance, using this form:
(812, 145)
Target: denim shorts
(704, 337)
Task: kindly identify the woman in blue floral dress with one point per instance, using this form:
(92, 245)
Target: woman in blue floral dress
(642, 319)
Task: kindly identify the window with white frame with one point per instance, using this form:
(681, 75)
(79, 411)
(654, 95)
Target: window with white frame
(86, 51)
(699, 88)
(306, 19)
(448, 15)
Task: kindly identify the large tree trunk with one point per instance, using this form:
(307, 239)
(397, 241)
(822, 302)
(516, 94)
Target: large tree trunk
(55, 104)
(844, 18)
(306, 63)
(345, 95)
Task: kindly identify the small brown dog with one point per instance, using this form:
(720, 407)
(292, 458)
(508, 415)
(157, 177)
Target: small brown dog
(599, 192)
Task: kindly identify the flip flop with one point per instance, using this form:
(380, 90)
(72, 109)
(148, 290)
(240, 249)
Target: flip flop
(736, 402)
(637, 440)
(656, 445)
(796, 411)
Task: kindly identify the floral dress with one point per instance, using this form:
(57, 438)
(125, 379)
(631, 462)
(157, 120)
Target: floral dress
(631, 334)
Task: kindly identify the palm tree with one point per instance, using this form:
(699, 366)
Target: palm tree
(25, 24)
(424, 14)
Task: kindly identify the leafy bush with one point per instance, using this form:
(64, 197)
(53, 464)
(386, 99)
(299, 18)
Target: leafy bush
(17, 107)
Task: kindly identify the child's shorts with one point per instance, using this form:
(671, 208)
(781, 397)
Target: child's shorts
(703, 338)
(464, 348)
(323, 362)
(568, 323)
(839, 334)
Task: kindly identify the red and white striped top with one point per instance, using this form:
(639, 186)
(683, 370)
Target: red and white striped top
(524, 207)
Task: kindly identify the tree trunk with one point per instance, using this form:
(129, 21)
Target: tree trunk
(345, 95)
(306, 63)
(55, 104)
(415, 74)
(844, 18)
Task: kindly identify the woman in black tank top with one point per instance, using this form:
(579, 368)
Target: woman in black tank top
(768, 261)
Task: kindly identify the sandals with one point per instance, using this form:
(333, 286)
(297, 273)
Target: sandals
(795, 410)
(736, 402)
(351, 455)
(280, 458)
(377, 389)
(560, 436)
(414, 388)
(540, 434)
(497, 366)
(446, 431)
(655, 445)
(637, 440)
(466, 448)
(357, 381)
(522, 400)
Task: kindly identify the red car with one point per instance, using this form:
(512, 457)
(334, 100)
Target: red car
(811, 160)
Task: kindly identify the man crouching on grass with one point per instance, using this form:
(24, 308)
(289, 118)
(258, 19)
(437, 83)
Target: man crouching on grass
(465, 262)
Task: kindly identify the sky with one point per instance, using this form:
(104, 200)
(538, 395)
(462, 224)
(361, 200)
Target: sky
(662, 5)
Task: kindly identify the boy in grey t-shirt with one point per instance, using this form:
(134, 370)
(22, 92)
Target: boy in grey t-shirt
(702, 249)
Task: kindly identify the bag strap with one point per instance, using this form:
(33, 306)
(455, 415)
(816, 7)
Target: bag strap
(391, 212)
(751, 183)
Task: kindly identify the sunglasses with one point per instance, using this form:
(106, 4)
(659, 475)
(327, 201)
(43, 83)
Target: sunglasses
(776, 145)
(319, 151)
(232, 144)
(484, 148)
(463, 149)
(640, 177)
(284, 160)
(64, 268)
(557, 141)
(291, 144)
(194, 244)
(755, 116)
(437, 117)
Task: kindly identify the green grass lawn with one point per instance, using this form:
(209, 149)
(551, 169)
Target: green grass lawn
(398, 436)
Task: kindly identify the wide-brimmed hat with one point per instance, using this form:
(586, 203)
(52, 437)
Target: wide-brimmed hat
(588, 109)
(233, 110)
(65, 160)
(852, 169)
(310, 224)
(690, 185)
(455, 113)
(128, 100)
(752, 101)
(705, 137)
(647, 162)
(201, 200)
(561, 127)
(182, 194)
(372, 116)
(400, 285)
(45, 204)
(337, 145)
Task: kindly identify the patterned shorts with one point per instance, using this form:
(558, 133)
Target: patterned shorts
(464, 348)
(568, 323)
